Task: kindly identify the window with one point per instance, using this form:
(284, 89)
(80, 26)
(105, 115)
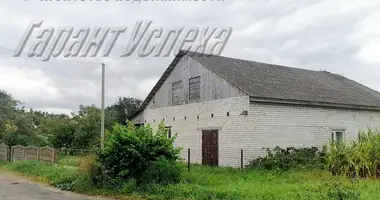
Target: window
(177, 97)
(169, 128)
(337, 136)
(194, 89)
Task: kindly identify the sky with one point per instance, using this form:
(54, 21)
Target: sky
(339, 36)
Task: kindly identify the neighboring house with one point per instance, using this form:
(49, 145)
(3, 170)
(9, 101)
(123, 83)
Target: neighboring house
(218, 105)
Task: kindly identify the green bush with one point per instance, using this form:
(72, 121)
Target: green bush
(289, 158)
(359, 158)
(129, 153)
(162, 171)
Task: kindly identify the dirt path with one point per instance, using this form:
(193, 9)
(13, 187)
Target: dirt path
(14, 188)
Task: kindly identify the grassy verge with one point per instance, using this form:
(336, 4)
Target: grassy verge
(63, 177)
(214, 183)
(69, 160)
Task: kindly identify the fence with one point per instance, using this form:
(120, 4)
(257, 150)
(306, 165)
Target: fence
(241, 157)
(43, 154)
(4, 154)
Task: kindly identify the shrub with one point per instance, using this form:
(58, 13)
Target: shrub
(162, 171)
(130, 151)
(360, 158)
(289, 158)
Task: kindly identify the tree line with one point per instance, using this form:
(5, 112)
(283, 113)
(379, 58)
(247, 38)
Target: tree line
(79, 130)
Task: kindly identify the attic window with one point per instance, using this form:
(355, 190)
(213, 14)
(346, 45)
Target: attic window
(194, 89)
(177, 93)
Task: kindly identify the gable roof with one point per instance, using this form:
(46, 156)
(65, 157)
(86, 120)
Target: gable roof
(280, 84)
(268, 81)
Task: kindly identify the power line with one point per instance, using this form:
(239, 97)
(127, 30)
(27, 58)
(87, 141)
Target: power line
(6, 49)
(124, 81)
(87, 62)
(95, 63)
(60, 59)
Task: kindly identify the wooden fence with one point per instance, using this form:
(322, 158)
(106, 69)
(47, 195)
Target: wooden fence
(43, 154)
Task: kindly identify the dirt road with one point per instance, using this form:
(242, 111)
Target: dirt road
(14, 188)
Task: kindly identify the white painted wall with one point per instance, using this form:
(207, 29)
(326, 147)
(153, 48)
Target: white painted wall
(267, 125)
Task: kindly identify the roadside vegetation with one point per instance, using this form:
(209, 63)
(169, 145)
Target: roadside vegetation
(213, 183)
(138, 164)
(79, 130)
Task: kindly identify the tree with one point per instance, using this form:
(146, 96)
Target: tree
(124, 108)
(87, 134)
(14, 127)
(62, 132)
(7, 109)
(81, 130)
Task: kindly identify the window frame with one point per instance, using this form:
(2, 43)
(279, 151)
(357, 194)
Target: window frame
(169, 132)
(199, 96)
(335, 138)
(181, 92)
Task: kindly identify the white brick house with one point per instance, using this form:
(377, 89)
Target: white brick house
(218, 106)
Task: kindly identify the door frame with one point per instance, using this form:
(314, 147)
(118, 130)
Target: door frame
(209, 161)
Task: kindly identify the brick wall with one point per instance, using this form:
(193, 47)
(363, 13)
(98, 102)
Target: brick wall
(264, 126)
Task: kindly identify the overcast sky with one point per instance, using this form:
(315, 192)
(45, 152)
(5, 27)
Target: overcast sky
(340, 36)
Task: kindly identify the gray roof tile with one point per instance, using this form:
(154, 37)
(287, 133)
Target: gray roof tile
(268, 81)
(286, 83)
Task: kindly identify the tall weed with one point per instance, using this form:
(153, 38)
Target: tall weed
(359, 158)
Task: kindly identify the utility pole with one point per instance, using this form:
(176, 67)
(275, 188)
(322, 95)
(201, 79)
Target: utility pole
(102, 108)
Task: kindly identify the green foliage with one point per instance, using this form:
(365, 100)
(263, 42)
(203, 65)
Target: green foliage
(124, 108)
(7, 109)
(130, 151)
(73, 161)
(206, 183)
(343, 190)
(360, 158)
(289, 158)
(57, 176)
(63, 133)
(162, 171)
(80, 130)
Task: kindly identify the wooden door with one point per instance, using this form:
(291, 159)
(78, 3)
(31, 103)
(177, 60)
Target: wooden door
(210, 147)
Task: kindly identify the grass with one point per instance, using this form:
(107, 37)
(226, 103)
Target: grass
(73, 161)
(216, 183)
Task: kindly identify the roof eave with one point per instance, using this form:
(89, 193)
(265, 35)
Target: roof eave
(312, 103)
